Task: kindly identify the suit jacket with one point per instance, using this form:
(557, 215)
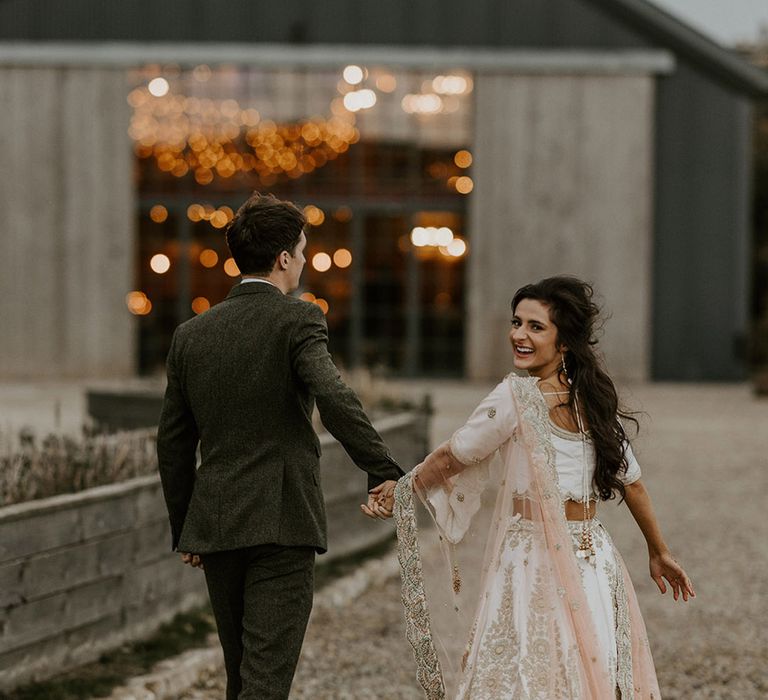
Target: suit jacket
(243, 378)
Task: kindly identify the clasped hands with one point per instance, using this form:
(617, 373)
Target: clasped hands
(381, 501)
(433, 471)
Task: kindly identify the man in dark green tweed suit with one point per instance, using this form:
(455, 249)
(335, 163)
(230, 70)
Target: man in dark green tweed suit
(242, 381)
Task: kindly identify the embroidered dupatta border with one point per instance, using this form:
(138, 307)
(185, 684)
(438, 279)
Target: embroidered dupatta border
(417, 626)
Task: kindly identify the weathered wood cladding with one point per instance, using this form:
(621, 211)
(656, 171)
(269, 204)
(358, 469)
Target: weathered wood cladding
(703, 229)
(565, 167)
(67, 228)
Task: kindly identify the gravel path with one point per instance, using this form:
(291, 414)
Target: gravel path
(704, 452)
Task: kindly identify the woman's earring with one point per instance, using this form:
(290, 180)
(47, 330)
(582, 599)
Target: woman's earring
(565, 369)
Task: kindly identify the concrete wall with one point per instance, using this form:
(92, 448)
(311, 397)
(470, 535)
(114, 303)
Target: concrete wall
(563, 170)
(82, 573)
(67, 224)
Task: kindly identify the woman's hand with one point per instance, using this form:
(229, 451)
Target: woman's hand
(663, 566)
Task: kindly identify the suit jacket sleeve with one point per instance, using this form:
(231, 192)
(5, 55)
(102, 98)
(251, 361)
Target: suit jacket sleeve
(177, 438)
(340, 409)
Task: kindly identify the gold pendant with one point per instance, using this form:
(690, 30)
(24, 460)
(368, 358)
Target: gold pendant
(586, 546)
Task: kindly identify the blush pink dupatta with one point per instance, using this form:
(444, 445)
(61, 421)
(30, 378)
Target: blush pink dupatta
(450, 542)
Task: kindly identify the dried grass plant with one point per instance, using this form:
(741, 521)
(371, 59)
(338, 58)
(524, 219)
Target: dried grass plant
(56, 464)
(32, 468)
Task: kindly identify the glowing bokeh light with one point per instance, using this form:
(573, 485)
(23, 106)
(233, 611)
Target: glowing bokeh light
(386, 82)
(464, 185)
(423, 236)
(422, 104)
(443, 236)
(451, 84)
(307, 296)
(209, 258)
(315, 215)
(321, 262)
(420, 236)
(360, 99)
(231, 268)
(323, 304)
(218, 219)
(138, 303)
(203, 176)
(342, 258)
(200, 304)
(195, 212)
(160, 263)
(353, 75)
(456, 248)
(463, 159)
(158, 213)
(158, 87)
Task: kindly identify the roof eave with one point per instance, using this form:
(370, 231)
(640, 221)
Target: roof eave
(726, 65)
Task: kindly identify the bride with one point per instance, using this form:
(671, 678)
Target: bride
(528, 597)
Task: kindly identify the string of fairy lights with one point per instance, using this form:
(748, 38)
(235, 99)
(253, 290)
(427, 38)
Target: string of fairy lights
(207, 138)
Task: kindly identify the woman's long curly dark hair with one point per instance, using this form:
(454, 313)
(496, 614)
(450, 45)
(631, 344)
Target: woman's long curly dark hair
(575, 315)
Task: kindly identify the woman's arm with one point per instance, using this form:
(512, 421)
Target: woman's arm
(662, 564)
(489, 426)
(437, 466)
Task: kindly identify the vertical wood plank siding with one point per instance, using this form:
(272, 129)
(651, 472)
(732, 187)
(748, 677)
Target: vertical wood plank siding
(67, 224)
(563, 184)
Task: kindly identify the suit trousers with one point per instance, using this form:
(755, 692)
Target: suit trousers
(261, 598)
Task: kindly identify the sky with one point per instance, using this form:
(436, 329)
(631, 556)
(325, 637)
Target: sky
(727, 21)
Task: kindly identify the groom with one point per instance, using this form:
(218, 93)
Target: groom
(242, 381)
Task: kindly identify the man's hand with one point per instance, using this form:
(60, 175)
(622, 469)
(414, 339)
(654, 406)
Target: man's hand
(193, 560)
(381, 501)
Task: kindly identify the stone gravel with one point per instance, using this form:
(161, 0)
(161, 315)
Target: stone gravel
(704, 452)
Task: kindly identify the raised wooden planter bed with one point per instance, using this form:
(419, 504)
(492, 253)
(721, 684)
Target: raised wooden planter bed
(83, 573)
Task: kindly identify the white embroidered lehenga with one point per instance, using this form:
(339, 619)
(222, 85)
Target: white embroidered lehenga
(507, 611)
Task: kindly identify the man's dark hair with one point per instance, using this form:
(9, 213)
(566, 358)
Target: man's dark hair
(262, 229)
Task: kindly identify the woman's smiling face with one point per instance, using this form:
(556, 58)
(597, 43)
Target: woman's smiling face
(534, 339)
